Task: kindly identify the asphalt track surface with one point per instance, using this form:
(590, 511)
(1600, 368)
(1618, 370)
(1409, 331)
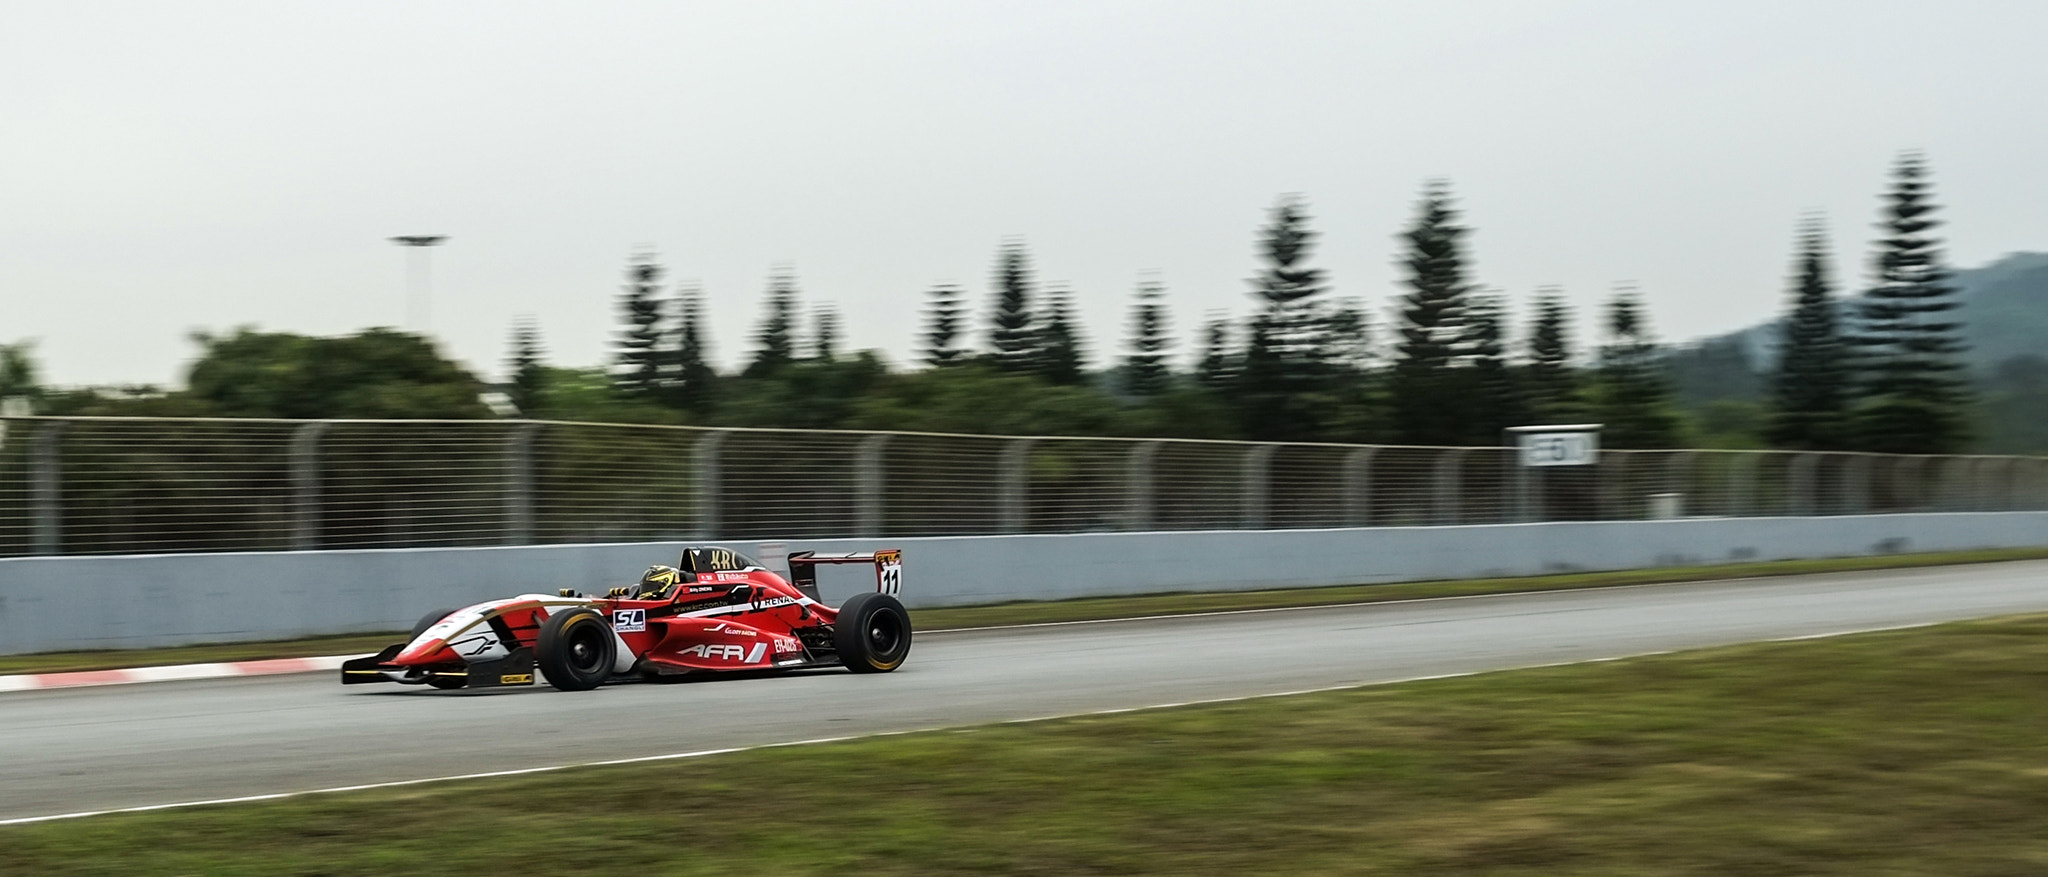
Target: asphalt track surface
(67, 751)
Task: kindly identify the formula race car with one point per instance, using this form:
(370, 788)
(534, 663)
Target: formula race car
(716, 610)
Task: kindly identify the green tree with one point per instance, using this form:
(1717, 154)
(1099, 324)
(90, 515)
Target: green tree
(18, 372)
(1217, 370)
(692, 380)
(1809, 389)
(1552, 382)
(1426, 405)
(1911, 398)
(1490, 385)
(775, 341)
(1060, 359)
(1145, 371)
(978, 398)
(379, 373)
(638, 361)
(1635, 398)
(524, 365)
(825, 341)
(806, 394)
(1283, 365)
(1013, 342)
(943, 318)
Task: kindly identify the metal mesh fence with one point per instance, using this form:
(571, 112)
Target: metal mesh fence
(145, 485)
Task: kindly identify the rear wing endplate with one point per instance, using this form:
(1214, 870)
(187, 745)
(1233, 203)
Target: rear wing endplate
(803, 568)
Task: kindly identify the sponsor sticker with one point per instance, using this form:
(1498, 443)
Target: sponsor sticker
(891, 571)
(516, 679)
(629, 620)
(728, 652)
(717, 652)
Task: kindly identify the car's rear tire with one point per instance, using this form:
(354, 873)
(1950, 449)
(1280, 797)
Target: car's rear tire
(872, 633)
(575, 650)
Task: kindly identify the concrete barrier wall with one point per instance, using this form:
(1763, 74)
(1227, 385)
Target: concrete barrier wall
(156, 600)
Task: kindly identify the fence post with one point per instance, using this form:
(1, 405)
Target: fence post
(1678, 469)
(710, 492)
(519, 483)
(1015, 498)
(1856, 484)
(870, 486)
(1799, 483)
(1997, 487)
(1971, 483)
(1358, 487)
(305, 463)
(1140, 485)
(46, 487)
(1256, 479)
(1444, 505)
(2030, 498)
(1741, 484)
(1525, 485)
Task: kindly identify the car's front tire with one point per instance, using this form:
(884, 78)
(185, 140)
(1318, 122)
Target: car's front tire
(872, 633)
(575, 650)
(430, 619)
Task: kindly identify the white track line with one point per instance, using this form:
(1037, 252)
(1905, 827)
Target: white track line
(702, 753)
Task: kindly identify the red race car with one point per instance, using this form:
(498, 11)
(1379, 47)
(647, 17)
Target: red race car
(716, 610)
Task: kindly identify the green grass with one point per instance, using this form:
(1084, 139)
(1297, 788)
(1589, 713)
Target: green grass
(1039, 612)
(1907, 752)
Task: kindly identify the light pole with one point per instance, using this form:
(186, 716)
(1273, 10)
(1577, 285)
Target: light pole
(419, 278)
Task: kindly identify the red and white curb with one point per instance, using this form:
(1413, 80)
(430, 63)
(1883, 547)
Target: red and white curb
(83, 678)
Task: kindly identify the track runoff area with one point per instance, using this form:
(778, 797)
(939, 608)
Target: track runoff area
(81, 752)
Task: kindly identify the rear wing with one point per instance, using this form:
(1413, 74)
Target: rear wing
(803, 568)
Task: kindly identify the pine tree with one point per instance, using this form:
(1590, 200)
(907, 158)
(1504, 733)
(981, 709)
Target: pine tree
(1217, 370)
(1809, 390)
(942, 326)
(1284, 361)
(1911, 398)
(524, 387)
(693, 379)
(775, 340)
(825, 341)
(1495, 394)
(1013, 342)
(1347, 339)
(1145, 372)
(1635, 397)
(1060, 359)
(1553, 385)
(1426, 407)
(638, 363)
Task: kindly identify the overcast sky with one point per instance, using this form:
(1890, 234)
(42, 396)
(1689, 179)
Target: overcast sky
(166, 167)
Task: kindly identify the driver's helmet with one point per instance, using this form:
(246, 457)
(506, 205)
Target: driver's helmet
(659, 581)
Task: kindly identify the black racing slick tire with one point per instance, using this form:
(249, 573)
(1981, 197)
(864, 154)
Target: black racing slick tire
(445, 683)
(872, 633)
(428, 620)
(575, 650)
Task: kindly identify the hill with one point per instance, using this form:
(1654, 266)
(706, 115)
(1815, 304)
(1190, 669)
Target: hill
(2005, 318)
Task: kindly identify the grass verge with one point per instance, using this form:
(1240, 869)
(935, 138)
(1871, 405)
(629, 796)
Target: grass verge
(1907, 752)
(1091, 608)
